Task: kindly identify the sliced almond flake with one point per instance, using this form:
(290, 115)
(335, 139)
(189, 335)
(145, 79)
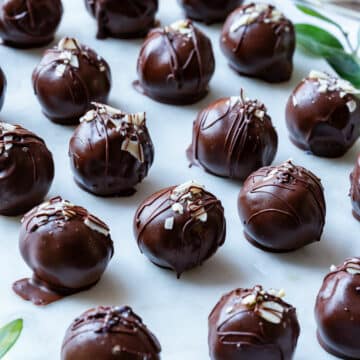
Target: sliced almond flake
(201, 215)
(249, 300)
(95, 226)
(270, 316)
(74, 61)
(68, 44)
(351, 105)
(182, 26)
(259, 114)
(281, 293)
(134, 148)
(273, 305)
(184, 188)
(60, 69)
(137, 119)
(8, 142)
(7, 127)
(333, 268)
(178, 208)
(169, 223)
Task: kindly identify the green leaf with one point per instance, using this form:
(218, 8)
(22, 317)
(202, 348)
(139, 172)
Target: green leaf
(311, 37)
(9, 334)
(309, 11)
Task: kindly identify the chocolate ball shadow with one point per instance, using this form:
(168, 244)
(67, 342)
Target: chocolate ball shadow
(319, 255)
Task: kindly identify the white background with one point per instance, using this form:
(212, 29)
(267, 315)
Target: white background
(176, 310)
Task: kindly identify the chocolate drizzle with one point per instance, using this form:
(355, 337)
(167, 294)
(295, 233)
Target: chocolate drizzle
(337, 310)
(71, 69)
(125, 19)
(110, 332)
(29, 23)
(232, 137)
(294, 212)
(27, 169)
(110, 151)
(355, 189)
(188, 223)
(259, 41)
(190, 64)
(253, 324)
(67, 248)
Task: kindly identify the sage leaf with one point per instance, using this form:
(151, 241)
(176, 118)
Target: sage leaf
(8, 335)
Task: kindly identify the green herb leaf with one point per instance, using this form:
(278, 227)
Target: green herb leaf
(312, 38)
(308, 11)
(9, 334)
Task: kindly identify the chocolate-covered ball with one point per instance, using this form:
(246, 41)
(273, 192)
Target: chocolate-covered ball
(69, 77)
(109, 333)
(26, 167)
(123, 19)
(175, 64)
(110, 151)
(67, 248)
(259, 41)
(180, 227)
(323, 115)
(337, 310)
(355, 189)
(209, 11)
(252, 324)
(282, 208)
(3, 85)
(29, 23)
(233, 137)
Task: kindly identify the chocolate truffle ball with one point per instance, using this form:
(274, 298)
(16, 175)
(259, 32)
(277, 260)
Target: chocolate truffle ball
(175, 64)
(109, 333)
(355, 189)
(180, 227)
(251, 324)
(282, 208)
(67, 248)
(323, 115)
(27, 169)
(337, 310)
(3, 85)
(30, 23)
(233, 137)
(123, 19)
(110, 151)
(209, 11)
(259, 41)
(69, 77)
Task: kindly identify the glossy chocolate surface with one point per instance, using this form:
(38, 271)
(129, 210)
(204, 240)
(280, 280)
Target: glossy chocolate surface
(337, 310)
(123, 19)
(29, 23)
(259, 41)
(355, 189)
(3, 85)
(109, 333)
(69, 77)
(180, 227)
(323, 115)
(175, 64)
(233, 137)
(67, 248)
(209, 11)
(110, 151)
(282, 208)
(26, 167)
(252, 324)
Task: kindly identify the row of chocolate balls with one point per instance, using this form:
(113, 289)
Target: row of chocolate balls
(245, 324)
(71, 75)
(40, 19)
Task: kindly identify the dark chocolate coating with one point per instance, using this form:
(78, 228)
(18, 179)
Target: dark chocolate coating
(109, 333)
(337, 310)
(175, 64)
(233, 137)
(355, 189)
(322, 117)
(68, 78)
(123, 19)
(3, 85)
(67, 248)
(26, 167)
(251, 324)
(261, 47)
(209, 11)
(178, 228)
(29, 23)
(110, 151)
(282, 208)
